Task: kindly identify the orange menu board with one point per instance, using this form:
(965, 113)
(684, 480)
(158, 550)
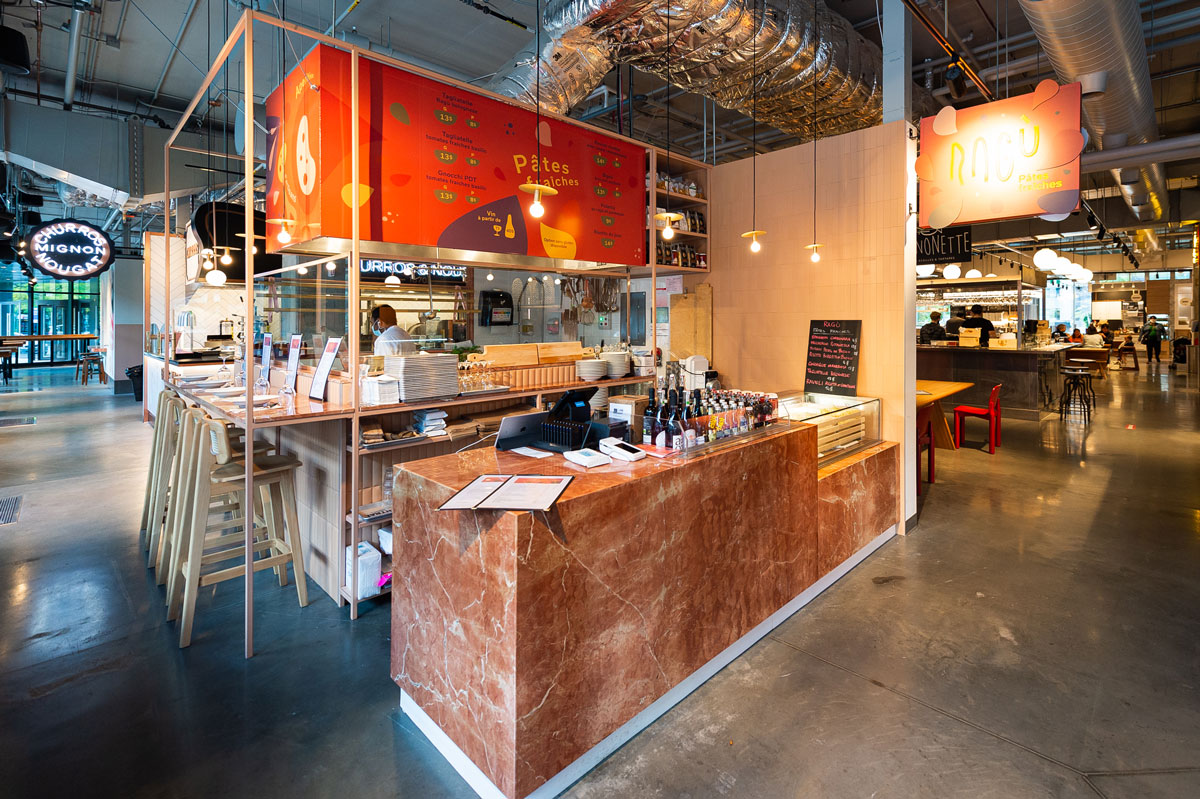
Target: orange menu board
(1008, 159)
(439, 166)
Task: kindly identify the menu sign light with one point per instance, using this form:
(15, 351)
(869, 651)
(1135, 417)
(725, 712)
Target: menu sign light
(70, 250)
(440, 166)
(950, 245)
(832, 366)
(1008, 159)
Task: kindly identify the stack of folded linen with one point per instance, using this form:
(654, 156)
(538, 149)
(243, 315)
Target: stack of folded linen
(430, 422)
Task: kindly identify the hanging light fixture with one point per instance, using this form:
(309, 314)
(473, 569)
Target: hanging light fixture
(951, 271)
(974, 273)
(284, 236)
(816, 251)
(215, 277)
(301, 270)
(754, 232)
(331, 267)
(392, 280)
(226, 259)
(1044, 259)
(537, 188)
(490, 276)
(926, 270)
(667, 216)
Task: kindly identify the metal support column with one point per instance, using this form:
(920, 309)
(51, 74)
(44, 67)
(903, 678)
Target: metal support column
(897, 61)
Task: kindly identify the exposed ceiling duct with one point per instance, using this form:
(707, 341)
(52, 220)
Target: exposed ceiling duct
(77, 16)
(1101, 45)
(815, 74)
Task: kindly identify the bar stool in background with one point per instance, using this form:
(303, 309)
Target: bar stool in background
(925, 439)
(991, 413)
(1075, 394)
(203, 542)
(164, 466)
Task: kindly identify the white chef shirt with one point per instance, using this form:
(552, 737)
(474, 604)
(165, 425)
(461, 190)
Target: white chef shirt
(394, 341)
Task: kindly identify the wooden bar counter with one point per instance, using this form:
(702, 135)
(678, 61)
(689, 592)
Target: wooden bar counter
(525, 643)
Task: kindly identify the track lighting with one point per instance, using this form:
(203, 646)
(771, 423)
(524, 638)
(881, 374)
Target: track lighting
(956, 81)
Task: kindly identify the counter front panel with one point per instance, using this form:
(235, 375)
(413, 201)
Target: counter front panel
(528, 638)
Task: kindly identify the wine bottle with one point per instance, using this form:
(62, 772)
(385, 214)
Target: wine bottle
(648, 420)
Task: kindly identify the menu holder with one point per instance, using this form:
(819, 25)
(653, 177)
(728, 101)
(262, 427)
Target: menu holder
(520, 492)
(317, 390)
(267, 352)
(293, 364)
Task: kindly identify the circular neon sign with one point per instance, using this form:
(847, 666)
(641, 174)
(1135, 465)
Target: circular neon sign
(70, 250)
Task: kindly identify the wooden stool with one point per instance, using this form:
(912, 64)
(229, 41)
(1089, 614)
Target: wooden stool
(215, 475)
(164, 460)
(89, 363)
(156, 454)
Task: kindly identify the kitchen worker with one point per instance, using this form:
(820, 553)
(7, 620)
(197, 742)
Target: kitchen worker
(390, 338)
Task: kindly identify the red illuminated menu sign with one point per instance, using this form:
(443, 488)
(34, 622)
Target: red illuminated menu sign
(1008, 159)
(440, 167)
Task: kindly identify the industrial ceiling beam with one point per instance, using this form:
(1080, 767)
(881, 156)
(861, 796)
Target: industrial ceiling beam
(187, 18)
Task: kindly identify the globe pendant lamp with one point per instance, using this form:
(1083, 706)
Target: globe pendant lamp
(754, 233)
(537, 188)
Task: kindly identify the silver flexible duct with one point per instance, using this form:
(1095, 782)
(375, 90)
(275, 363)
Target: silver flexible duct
(1085, 39)
(815, 74)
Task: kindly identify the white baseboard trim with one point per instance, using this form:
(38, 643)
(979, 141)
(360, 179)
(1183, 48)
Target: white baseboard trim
(486, 789)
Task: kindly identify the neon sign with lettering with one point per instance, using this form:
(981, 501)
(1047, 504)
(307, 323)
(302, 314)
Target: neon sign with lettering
(1008, 159)
(68, 249)
(409, 271)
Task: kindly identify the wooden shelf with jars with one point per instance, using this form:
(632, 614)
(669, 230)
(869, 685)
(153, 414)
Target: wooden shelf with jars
(677, 192)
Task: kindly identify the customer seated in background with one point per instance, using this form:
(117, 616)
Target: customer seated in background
(1060, 333)
(932, 330)
(1107, 334)
(1076, 337)
(1126, 346)
(1092, 338)
(955, 322)
(986, 328)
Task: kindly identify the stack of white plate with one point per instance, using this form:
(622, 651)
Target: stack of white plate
(599, 400)
(591, 370)
(618, 363)
(421, 377)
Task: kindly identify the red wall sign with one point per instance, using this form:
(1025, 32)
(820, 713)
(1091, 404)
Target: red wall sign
(440, 166)
(1008, 159)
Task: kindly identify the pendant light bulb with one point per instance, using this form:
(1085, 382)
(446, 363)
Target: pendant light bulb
(215, 278)
(392, 280)
(536, 209)
(557, 281)
(301, 270)
(815, 257)
(668, 232)
(490, 276)
(207, 264)
(284, 237)
(754, 245)
(226, 258)
(331, 267)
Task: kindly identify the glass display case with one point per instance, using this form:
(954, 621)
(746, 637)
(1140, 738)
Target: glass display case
(844, 424)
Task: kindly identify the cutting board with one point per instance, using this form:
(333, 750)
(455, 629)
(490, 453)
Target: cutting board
(509, 354)
(561, 352)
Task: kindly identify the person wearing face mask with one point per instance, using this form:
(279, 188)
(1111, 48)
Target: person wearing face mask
(390, 339)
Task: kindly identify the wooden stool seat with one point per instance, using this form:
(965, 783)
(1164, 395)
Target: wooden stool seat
(263, 466)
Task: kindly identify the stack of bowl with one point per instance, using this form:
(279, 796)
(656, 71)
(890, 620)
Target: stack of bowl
(591, 370)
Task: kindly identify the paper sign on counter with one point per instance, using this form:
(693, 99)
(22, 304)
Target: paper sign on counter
(475, 492)
(527, 492)
(317, 390)
(293, 364)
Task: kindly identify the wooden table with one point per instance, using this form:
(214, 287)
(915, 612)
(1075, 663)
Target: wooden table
(938, 390)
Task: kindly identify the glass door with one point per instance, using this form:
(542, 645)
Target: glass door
(50, 319)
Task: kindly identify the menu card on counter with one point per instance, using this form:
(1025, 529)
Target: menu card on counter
(509, 492)
(267, 353)
(832, 366)
(293, 364)
(324, 367)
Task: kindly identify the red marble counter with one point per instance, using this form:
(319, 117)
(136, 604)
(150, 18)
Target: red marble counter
(530, 637)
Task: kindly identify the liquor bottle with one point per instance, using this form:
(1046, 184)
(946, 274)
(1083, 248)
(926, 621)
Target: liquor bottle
(661, 437)
(712, 427)
(648, 420)
(743, 417)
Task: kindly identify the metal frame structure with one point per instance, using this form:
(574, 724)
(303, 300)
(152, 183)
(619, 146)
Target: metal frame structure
(243, 32)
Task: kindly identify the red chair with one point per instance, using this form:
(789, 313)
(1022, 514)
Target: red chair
(991, 413)
(924, 439)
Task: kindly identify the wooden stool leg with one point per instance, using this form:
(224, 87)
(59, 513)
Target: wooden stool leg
(288, 500)
(156, 454)
(273, 516)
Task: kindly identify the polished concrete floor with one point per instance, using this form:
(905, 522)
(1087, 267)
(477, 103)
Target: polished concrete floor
(1037, 636)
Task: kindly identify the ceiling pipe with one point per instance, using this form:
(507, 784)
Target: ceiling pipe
(1162, 151)
(1084, 37)
(187, 18)
(73, 57)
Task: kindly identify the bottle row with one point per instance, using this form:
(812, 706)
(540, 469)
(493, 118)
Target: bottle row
(677, 420)
(689, 222)
(683, 255)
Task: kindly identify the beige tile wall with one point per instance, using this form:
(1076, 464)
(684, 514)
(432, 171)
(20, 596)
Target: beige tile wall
(763, 303)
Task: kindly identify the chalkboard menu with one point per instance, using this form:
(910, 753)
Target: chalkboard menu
(833, 357)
